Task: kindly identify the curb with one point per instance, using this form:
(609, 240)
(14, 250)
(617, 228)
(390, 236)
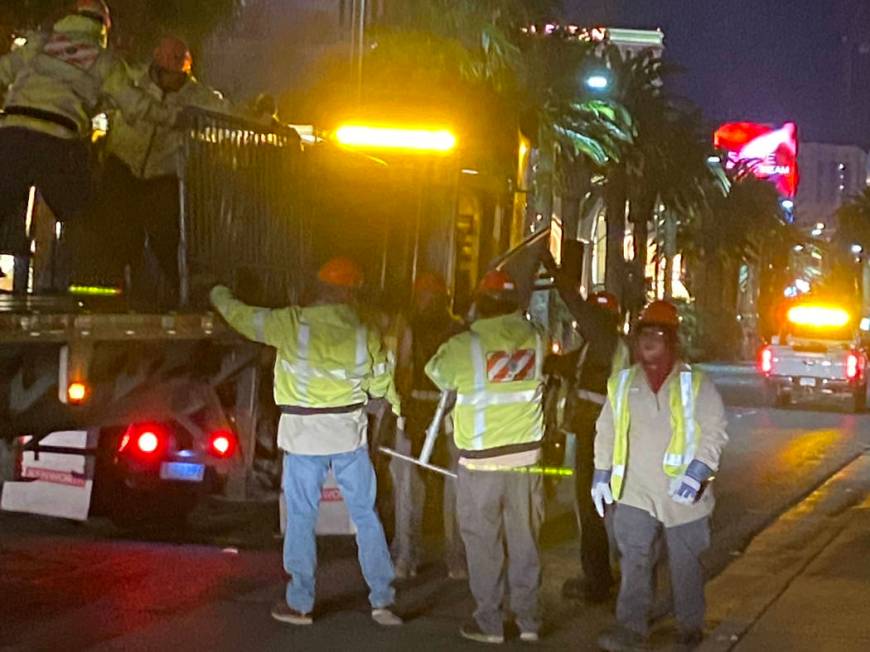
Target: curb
(740, 595)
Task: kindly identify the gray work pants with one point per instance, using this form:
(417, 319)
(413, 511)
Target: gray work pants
(636, 533)
(500, 514)
(409, 493)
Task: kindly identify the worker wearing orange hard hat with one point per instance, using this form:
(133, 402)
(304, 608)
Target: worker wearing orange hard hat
(669, 419)
(496, 370)
(329, 363)
(139, 202)
(428, 326)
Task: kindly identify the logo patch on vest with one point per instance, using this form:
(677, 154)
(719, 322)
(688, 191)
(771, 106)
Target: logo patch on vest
(80, 54)
(505, 367)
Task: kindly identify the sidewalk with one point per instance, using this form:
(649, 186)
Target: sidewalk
(803, 583)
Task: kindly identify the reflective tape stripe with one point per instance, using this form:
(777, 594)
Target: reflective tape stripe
(673, 459)
(539, 357)
(302, 367)
(687, 392)
(381, 369)
(425, 395)
(260, 316)
(479, 362)
(362, 350)
(592, 397)
(485, 399)
(619, 469)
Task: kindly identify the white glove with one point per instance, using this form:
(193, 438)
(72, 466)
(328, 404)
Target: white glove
(601, 494)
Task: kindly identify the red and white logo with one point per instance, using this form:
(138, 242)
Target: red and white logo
(508, 367)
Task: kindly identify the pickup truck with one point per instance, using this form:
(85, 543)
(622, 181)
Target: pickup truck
(818, 353)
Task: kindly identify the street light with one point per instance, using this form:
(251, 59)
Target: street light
(417, 140)
(857, 249)
(597, 82)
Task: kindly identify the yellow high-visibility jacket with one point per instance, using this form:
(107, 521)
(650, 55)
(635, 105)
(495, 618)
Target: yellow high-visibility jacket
(327, 358)
(496, 370)
(152, 150)
(69, 73)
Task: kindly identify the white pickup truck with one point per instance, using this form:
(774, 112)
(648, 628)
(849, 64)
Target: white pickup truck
(818, 353)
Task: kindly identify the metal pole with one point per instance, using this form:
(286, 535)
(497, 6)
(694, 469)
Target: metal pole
(360, 46)
(183, 249)
(434, 428)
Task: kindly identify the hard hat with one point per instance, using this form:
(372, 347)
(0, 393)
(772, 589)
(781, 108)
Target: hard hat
(173, 55)
(96, 9)
(495, 282)
(659, 313)
(341, 272)
(605, 300)
(429, 282)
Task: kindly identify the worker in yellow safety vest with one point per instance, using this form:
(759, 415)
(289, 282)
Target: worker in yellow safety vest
(657, 448)
(496, 370)
(54, 84)
(140, 195)
(328, 364)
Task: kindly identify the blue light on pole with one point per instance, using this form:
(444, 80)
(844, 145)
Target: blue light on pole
(597, 82)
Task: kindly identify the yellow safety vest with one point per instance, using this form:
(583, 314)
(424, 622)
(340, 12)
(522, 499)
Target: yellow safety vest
(496, 371)
(621, 357)
(327, 357)
(685, 432)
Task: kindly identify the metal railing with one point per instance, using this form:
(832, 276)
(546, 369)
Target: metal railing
(240, 216)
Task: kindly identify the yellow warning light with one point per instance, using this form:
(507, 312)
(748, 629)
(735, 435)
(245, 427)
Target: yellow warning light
(77, 392)
(818, 316)
(417, 140)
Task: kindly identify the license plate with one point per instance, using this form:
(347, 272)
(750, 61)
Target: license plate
(808, 382)
(184, 471)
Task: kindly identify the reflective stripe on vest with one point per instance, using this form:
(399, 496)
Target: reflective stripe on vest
(260, 324)
(304, 373)
(481, 398)
(683, 392)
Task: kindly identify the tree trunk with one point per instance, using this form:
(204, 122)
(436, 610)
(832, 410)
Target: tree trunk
(641, 212)
(615, 199)
(576, 183)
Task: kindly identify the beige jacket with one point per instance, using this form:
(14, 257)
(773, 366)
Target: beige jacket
(149, 150)
(646, 485)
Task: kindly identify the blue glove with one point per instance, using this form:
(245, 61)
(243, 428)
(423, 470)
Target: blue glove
(685, 489)
(601, 493)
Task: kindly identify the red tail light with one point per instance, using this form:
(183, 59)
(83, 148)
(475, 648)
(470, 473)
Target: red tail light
(144, 439)
(766, 360)
(853, 366)
(222, 443)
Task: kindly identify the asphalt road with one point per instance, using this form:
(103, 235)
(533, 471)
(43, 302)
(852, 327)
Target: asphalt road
(89, 586)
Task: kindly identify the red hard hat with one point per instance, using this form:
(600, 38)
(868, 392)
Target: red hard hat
(605, 300)
(429, 282)
(659, 313)
(173, 55)
(496, 281)
(341, 272)
(95, 8)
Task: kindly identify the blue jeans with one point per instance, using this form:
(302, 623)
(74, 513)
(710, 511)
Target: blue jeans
(303, 479)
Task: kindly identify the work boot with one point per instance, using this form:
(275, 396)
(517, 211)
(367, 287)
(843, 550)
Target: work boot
(622, 639)
(579, 588)
(286, 614)
(472, 631)
(688, 640)
(385, 617)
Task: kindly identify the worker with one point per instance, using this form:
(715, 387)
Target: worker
(658, 446)
(587, 370)
(496, 370)
(54, 85)
(140, 197)
(430, 325)
(328, 364)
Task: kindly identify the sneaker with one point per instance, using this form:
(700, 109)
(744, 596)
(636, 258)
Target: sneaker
(385, 617)
(472, 631)
(287, 614)
(622, 639)
(529, 637)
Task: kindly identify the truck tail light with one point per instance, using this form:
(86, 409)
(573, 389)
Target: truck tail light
(144, 439)
(853, 366)
(765, 362)
(222, 443)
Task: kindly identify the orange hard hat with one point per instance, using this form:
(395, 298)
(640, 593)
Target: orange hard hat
(97, 9)
(605, 300)
(173, 55)
(430, 282)
(496, 281)
(341, 272)
(659, 313)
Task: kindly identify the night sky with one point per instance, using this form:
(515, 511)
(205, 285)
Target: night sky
(764, 60)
